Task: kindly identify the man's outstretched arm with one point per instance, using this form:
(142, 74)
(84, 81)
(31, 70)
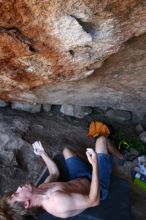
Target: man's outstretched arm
(93, 199)
(52, 167)
(94, 195)
(75, 202)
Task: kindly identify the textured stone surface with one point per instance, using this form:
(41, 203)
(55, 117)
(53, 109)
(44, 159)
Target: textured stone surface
(3, 104)
(118, 115)
(76, 111)
(120, 83)
(46, 43)
(18, 130)
(140, 117)
(142, 136)
(33, 108)
(139, 128)
(46, 107)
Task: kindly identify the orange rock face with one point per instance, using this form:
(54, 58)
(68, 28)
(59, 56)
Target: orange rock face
(43, 43)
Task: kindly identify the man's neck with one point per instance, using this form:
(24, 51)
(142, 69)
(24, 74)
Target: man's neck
(37, 197)
(36, 200)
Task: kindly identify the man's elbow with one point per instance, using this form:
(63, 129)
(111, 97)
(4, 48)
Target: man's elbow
(95, 203)
(56, 174)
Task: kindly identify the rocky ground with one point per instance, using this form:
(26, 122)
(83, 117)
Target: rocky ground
(18, 164)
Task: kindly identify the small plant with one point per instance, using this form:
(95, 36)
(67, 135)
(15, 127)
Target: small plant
(129, 141)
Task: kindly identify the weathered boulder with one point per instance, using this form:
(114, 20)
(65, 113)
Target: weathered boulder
(118, 115)
(139, 128)
(76, 111)
(142, 136)
(3, 103)
(33, 108)
(46, 107)
(139, 117)
(112, 85)
(46, 44)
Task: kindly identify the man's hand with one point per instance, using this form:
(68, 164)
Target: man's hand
(92, 156)
(38, 148)
(52, 167)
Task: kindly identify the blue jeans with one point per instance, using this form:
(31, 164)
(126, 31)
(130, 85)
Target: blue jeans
(77, 168)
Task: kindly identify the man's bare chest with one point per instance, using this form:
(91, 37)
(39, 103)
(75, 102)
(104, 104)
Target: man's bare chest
(75, 186)
(51, 188)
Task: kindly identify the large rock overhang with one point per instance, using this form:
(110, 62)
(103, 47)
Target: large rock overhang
(61, 52)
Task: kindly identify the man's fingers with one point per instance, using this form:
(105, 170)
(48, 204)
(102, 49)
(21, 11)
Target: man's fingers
(37, 144)
(91, 154)
(34, 144)
(35, 147)
(87, 155)
(90, 150)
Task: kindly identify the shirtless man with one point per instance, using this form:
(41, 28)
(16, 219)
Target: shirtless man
(87, 185)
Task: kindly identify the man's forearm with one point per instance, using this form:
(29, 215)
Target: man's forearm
(52, 167)
(94, 194)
